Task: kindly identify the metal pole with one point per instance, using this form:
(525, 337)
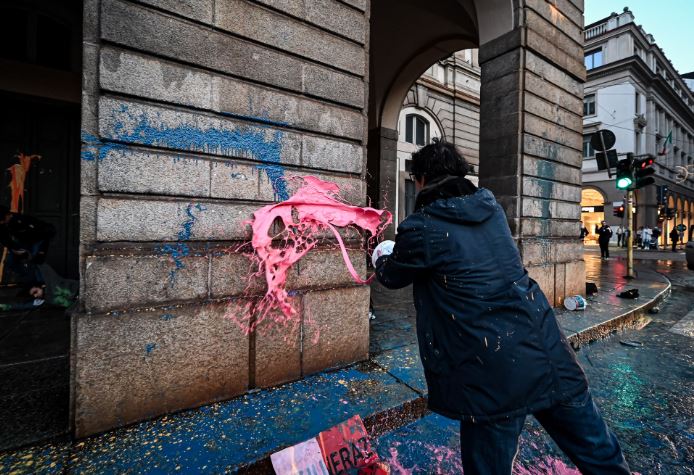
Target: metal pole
(630, 239)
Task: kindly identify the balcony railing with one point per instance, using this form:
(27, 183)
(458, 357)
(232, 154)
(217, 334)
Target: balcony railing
(596, 30)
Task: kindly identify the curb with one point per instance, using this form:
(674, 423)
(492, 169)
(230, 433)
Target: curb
(625, 320)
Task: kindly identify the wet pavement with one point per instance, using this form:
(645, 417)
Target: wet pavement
(646, 410)
(34, 373)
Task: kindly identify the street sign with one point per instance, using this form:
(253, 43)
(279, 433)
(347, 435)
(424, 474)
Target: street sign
(603, 140)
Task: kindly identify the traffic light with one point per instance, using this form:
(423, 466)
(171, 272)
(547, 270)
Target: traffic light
(618, 211)
(642, 171)
(625, 176)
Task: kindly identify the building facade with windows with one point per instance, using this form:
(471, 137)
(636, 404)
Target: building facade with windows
(445, 103)
(634, 91)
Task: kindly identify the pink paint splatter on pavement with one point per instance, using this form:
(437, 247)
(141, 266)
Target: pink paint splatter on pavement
(305, 217)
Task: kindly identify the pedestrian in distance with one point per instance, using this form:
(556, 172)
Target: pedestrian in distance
(646, 238)
(655, 236)
(489, 342)
(674, 237)
(604, 236)
(584, 232)
(639, 236)
(620, 235)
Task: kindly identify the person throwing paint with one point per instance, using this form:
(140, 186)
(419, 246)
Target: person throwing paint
(488, 338)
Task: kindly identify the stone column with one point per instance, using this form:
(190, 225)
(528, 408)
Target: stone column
(531, 139)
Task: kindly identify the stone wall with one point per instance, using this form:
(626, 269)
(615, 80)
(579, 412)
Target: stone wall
(193, 113)
(531, 138)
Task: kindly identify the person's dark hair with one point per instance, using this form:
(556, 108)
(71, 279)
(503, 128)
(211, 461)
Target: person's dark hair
(439, 158)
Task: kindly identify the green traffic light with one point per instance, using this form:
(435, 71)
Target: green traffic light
(624, 182)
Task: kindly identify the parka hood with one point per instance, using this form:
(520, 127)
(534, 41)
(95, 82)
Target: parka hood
(475, 208)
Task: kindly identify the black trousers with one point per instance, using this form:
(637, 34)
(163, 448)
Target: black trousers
(604, 248)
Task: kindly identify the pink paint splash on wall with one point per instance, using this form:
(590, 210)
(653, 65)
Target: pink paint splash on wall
(305, 218)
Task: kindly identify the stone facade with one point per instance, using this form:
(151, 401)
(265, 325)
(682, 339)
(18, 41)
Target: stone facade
(193, 112)
(634, 91)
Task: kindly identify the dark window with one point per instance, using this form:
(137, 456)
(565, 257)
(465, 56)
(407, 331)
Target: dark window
(416, 130)
(589, 105)
(29, 37)
(52, 44)
(14, 38)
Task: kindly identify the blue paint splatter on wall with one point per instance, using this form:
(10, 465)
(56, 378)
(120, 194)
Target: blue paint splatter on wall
(167, 317)
(180, 250)
(257, 142)
(150, 347)
(94, 149)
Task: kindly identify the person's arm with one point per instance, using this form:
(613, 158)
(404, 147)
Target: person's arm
(409, 257)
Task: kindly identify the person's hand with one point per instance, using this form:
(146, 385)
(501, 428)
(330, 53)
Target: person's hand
(385, 248)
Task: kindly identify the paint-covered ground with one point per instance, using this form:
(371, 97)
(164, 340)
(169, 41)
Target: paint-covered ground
(219, 437)
(643, 380)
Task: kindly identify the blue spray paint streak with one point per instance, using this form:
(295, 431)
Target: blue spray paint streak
(167, 316)
(180, 250)
(150, 347)
(94, 149)
(245, 141)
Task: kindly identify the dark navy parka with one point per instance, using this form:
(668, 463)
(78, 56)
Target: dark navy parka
(488, 339)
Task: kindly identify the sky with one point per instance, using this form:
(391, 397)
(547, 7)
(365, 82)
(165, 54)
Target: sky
(669, 21)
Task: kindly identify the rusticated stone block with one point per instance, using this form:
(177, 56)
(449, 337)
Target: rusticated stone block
(153, 220)
(559, 283)
(553, 94)
(128, 170)
(278, 350)
(563, 14)
(543, 227)
(118, 282)
(201, 10)
(544, 276)
(552, 74)
(269, 27)
(233, 273)
(336, 328)
(331, 15)
(332, 155)
(559, 116)
(557, 31)
(551, 131)
(548, 209)
(548, 189)
(573, 65)
(138, 75)
(329, 84)
(325, 268)
(550, 170)
(157, 126)
(540, 147)
(232, 96)
(575, 283)
(135, 366)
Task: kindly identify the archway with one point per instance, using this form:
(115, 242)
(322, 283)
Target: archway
(592, 212)
(530, 157)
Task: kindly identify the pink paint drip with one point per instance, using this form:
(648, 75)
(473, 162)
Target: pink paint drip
(312, 210)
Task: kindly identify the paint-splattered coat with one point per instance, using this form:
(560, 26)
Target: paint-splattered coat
(489, 341)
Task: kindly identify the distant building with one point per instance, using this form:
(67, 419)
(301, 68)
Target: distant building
(633, 90)
(444, 103)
